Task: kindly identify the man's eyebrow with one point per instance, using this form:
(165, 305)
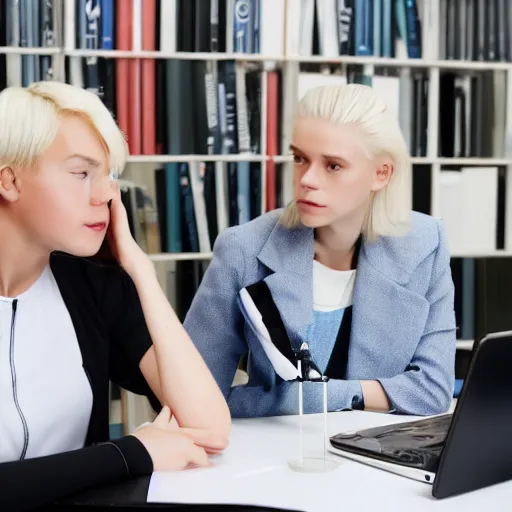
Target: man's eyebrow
(90, 161)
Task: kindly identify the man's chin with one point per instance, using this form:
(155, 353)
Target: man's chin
(81, 250)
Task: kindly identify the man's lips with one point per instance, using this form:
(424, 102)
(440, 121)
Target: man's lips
(97, 226)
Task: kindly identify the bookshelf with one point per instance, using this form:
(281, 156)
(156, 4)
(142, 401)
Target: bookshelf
(440, 56)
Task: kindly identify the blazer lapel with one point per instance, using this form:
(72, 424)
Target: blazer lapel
(384, 313)
(288, 253)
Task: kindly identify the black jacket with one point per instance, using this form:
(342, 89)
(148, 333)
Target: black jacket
(113, 337)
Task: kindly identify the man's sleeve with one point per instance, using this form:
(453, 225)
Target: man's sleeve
(129, 335)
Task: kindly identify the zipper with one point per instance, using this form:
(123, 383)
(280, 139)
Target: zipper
(13, 378)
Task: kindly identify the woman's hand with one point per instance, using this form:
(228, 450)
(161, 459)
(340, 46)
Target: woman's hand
(122, 244)
(172, 448)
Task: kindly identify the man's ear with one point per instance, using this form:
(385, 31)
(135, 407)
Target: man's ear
(9, 184)
(383, 174)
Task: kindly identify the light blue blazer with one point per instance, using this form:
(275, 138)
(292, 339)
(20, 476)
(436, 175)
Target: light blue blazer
(403, 320)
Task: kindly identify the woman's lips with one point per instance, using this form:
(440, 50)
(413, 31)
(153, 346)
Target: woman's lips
(303, 203)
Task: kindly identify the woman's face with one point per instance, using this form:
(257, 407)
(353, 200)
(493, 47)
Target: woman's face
(63, 204)
(334, 178)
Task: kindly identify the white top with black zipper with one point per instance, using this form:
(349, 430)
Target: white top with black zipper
(45, 396)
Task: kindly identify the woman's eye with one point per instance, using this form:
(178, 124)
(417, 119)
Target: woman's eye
(82, 175)
(298, 159)
(334, 167)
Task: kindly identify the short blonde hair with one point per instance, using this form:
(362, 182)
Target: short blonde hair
(390, 210)
(30, 121)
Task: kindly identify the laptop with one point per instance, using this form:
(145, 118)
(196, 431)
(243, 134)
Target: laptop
(456, 453)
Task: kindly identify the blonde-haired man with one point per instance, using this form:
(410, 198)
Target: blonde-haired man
(69, 325)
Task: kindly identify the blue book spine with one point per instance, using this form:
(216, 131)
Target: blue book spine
(188, 208)
(256, 22)
(107, 24)
(36, 39)
(173, 213)
(92, 19)
(26, 40)
(82, 25)
(377, 27)
(413, 30)
(244, 192)
(364, 28)
(388, 41)
(243, 35)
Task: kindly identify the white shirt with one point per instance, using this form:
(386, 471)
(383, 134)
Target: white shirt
(332, 289)
(45, 395)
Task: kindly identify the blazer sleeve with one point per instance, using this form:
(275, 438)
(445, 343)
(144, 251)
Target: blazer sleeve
(129, 334)
(426, 387)
(214, 321)
(31, 483)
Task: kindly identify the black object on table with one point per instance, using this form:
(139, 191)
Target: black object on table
(132, 495)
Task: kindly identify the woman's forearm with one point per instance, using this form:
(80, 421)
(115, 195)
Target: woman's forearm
(186, 384)
(375, 398)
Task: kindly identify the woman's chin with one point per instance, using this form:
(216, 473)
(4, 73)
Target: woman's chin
(313, 221)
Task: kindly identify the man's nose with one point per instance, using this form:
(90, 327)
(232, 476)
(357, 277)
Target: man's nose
(102, 191)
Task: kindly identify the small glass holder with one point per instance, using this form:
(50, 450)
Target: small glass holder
(311, 464)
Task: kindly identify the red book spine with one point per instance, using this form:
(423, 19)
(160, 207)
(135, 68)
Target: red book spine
(148, 91)
(123, 22)
(272, 137)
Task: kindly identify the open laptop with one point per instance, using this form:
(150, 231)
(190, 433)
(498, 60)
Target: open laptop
(459, 452)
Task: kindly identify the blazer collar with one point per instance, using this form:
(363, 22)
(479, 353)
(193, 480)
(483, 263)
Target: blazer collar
(292, 250)
(289, 250)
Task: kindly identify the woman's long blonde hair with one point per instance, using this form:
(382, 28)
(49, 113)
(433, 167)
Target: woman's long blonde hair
(359, 105)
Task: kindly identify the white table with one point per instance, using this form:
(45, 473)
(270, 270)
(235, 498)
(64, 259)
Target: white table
(254, 470)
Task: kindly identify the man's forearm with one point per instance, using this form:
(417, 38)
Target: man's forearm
(186, 384)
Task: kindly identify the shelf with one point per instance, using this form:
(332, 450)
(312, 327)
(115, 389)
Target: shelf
(123, 54)
(195, 158)
(41, 50)
(465, 345)
(185, 256)
(487, 162)
(258, 57)
(474, 161)
(491, 254)
(180, 256)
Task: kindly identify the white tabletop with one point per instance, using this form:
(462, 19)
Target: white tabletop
(254, 471)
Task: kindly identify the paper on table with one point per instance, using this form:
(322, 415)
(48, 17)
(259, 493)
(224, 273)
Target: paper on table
(254, 471)
(265, 485)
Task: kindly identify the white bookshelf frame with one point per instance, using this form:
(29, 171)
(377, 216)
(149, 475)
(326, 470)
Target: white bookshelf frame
(256, 57)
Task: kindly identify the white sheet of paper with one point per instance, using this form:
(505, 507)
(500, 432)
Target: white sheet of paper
(254, 471)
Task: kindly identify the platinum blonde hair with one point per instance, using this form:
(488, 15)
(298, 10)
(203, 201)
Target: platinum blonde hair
(359, 105)
(30, 119)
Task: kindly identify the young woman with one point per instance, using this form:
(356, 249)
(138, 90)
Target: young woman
(346, 268)
(68, 325)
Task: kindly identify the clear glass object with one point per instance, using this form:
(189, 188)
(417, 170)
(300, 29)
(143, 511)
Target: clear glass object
(312, 464)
